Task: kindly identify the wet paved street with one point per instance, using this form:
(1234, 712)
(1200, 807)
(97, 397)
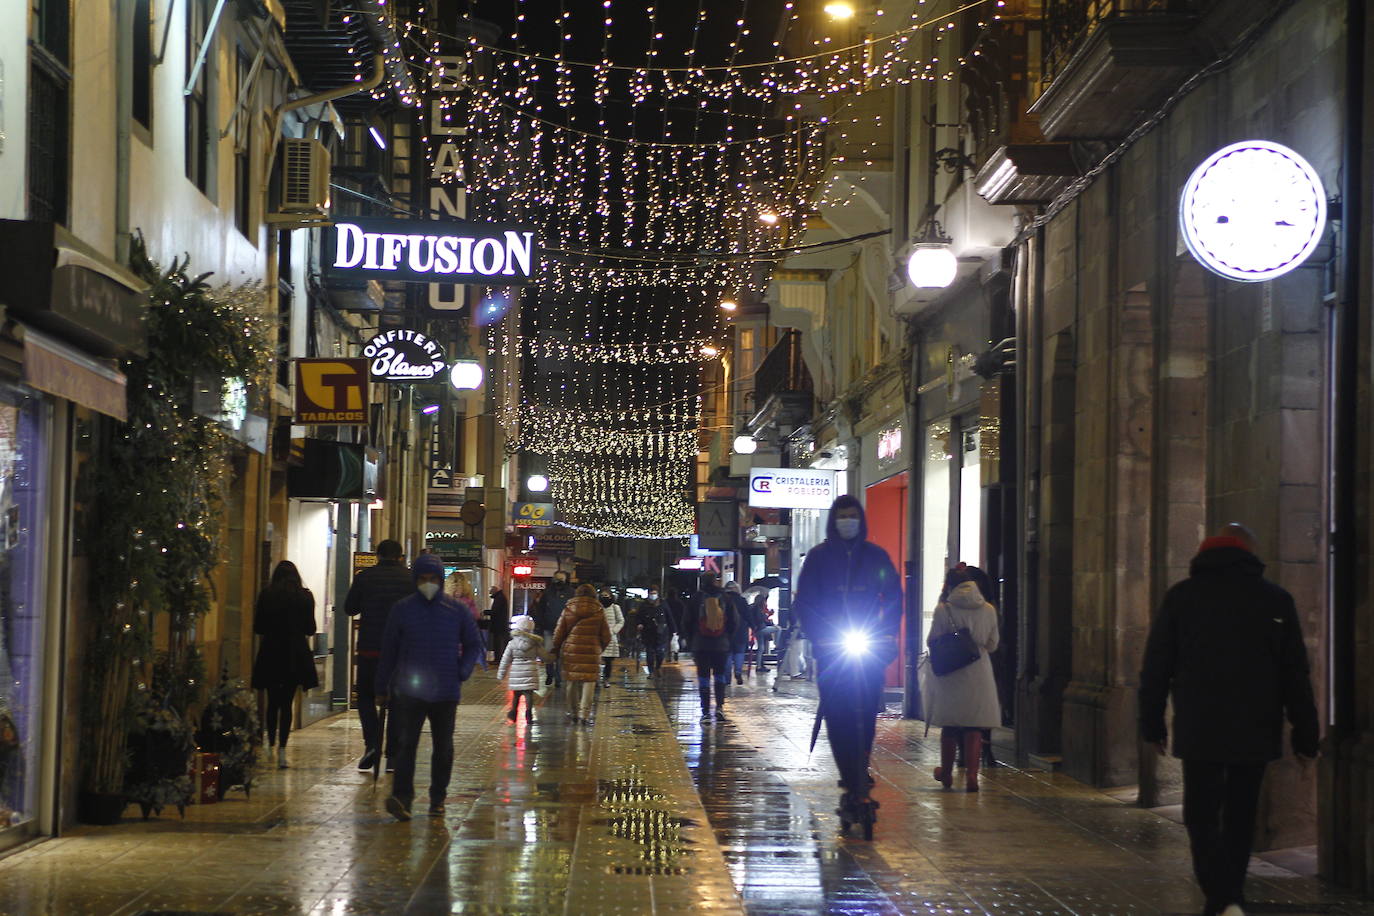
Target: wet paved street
(647, 811)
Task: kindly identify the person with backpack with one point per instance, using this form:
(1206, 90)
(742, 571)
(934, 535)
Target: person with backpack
(710, 624)
(849, 601)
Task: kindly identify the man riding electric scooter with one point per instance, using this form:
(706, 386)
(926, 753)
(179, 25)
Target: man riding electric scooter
(849, 602)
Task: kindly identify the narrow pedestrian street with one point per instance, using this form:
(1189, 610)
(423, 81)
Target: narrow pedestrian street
(648, 811)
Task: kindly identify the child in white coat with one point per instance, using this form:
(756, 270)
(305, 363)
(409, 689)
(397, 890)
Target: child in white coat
(522, 661)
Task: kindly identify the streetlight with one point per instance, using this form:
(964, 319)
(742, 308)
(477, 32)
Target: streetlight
(729, 305)
(745, 444)
(838, 9)
(709, 352)
(537, 483)
(466, 374)
(768, 217)
(931, 265)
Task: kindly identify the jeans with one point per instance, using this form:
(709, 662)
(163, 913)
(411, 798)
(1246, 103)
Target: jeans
(281, 703)
(736, 665)
(762, 636)
(580, 696)
(712, 666)
(851, 698)
(367, 708)
(1219, 805)
(653, 656)
(408, 715)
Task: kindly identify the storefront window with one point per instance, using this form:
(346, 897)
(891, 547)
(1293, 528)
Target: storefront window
(935, 516)
(22, 492)
(971, 499)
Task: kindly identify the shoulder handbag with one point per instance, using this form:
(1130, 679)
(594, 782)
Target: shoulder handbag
(952, 651)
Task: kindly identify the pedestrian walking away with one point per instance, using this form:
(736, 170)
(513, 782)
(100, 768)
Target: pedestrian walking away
(498, 622)
(709, 626)
(370, 597)
(615, 619)
(429, 648)
(849, 601)
(284, 617)
(521, 661)
(1227, 647)
(579, 640)
(739, 639)
(963, 702)
(548, 610)
(653, 632)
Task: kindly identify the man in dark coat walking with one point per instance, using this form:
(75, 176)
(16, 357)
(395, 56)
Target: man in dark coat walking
(370, 598)
(708, 626)
(429, 649)
(498, 622)
(547, 611)
(849, 602)
(1228, 645)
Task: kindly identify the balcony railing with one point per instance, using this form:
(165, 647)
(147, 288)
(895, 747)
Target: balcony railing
(782, 370)
(1069, 22)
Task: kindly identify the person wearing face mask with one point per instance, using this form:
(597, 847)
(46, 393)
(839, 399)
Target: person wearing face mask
(849, 602)
(615, 619)
(429, 648)
(653, 631)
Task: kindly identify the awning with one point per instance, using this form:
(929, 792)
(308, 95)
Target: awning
(54, 367)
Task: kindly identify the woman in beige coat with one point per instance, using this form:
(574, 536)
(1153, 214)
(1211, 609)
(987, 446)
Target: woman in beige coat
(581, 636)
(964, 702)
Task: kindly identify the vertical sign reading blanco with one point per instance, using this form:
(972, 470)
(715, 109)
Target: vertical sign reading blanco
(791, 488)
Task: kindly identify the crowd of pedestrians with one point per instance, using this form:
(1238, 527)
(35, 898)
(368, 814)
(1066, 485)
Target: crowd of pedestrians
(1226, 648)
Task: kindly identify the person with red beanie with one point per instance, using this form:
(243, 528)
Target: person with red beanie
(1228, 646)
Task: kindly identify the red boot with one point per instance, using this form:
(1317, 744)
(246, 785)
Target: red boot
(973, 757)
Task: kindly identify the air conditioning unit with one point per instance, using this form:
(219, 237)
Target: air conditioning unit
(304, 181)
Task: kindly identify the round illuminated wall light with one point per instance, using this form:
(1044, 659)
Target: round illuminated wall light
(466, 375)
(1252, 211)
(931, 266)
(745, 445)
(537, 483)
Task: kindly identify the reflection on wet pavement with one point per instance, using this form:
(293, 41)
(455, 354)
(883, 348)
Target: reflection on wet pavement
(647, 811)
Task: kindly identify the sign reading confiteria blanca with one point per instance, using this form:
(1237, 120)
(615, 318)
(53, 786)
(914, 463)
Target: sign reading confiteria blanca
(431, 251)
(403, 355)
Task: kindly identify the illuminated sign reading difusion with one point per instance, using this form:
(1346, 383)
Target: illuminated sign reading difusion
(431, 251)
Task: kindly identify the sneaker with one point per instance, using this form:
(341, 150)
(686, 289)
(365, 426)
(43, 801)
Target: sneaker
(511, 715)
(739, 679)
(369, 759)
(1233, 910)
(706, 715)
(720, 715)
(397, 808)
(436, 809)
(281, 758)
(390, 767)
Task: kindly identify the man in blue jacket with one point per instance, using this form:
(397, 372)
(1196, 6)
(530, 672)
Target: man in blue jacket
(849, 603)
(370, 598)
(430, 647)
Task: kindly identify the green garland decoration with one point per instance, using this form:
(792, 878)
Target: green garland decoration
(151, 497)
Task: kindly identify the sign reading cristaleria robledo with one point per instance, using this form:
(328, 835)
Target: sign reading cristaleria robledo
(404, 355)
(791, 488)
(431, 251)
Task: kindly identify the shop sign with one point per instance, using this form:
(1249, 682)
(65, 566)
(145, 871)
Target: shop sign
(791, 488)
(363, 559)
(1252, 211)
(889, 446)
(403, 355)
(717, 524)
(561, 544)
(454, 550)
(331, 392)
(431, 251)
(534, 515)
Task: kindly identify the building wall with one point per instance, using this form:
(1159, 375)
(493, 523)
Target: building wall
(1172, 401)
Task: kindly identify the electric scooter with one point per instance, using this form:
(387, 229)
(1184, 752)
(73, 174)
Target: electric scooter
(857, 656)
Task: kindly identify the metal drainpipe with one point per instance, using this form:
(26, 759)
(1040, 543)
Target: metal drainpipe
(1345, 561)
(915, 508)
(124, 110)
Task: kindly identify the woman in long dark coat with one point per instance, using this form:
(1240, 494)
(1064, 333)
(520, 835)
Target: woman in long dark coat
(285, 619)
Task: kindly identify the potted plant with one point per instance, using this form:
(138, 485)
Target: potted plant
(229, 728)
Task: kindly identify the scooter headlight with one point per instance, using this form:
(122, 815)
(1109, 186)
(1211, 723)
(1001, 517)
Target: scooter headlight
(855, 642)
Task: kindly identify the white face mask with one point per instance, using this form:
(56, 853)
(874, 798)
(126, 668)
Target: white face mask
(429, 590)
(847, 527)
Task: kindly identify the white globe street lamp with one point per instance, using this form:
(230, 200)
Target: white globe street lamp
(931, 266)
(537, 483)
(745, 445)
(466, 375)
